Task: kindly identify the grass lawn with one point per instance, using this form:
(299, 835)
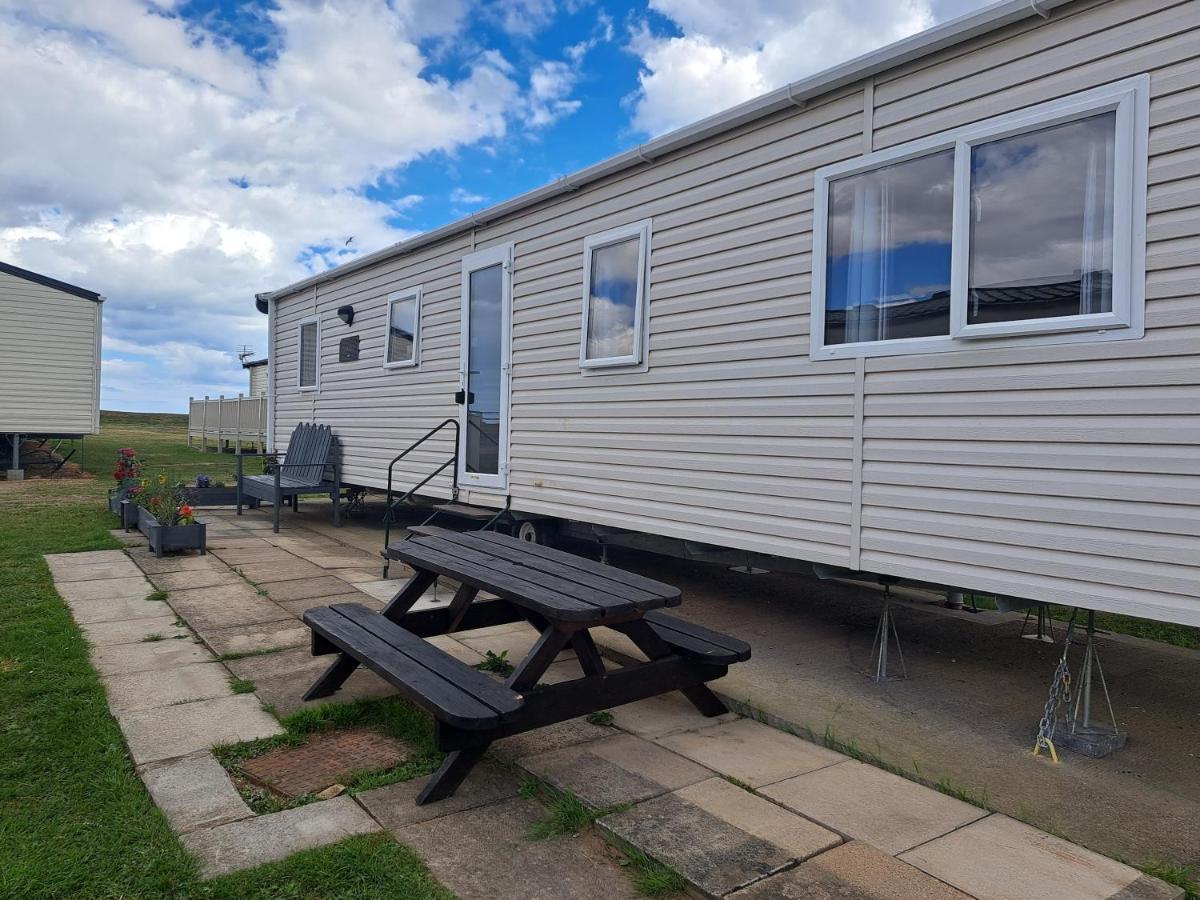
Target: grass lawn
(75, 819)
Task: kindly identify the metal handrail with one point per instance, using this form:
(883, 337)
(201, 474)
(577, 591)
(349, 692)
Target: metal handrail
(388, 515)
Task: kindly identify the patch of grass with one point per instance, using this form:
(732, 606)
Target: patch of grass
(566, 814)
(242, 686)
(75, 819)
(737, 782)
(651, 877)
(1174, 873)
(496, 663)
(229, 657)
(603, 717)
(151, 638)
(156, 596)
(980, 798)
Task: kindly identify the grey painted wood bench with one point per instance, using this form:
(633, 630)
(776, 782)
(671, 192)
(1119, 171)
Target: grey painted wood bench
(562, 596)
(308, 467)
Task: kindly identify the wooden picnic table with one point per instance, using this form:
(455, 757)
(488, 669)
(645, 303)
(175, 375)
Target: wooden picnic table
(563, 596)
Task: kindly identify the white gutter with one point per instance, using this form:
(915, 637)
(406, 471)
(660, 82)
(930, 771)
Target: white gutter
(798, 93)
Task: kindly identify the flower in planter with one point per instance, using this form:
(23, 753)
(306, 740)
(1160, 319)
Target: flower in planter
(203, 481)
(186, 516)
(127, 473)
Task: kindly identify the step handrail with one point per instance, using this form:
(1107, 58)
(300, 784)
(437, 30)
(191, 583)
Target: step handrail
(388, 516)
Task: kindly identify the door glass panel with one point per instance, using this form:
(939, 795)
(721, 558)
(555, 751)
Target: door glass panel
(485, 324)
(1042, 223)
(308, 354)
(887, 272)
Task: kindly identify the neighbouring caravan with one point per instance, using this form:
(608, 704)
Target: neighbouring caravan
(49, 361)
(934, 314)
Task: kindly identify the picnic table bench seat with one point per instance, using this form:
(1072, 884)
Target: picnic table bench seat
(696, 641)
(446, 688)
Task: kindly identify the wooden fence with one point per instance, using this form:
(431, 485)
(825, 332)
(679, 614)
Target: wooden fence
(229, 421)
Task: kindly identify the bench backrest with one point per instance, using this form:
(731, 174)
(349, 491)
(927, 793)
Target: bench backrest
(308, 452)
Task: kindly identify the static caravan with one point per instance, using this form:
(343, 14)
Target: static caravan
(49, 360)
(932, 314)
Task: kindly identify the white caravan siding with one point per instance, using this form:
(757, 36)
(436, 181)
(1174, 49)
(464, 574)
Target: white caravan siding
(49, 360)
(1065, 473)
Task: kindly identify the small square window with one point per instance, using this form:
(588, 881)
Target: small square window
(402, 340)
(310, 355)
(614, 297)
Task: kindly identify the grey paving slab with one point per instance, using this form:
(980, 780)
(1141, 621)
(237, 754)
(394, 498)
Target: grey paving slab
(997, 858)
(85, 557)
(459, 651)
(249, 638)
(298, 661)
(872, 805)
(356, 576)
(298, 607)
(109, 588)
(751, 752)
(116, 609)
(131, 631)
(262, 839)
(853, 871)
(152, 565)
(191, 579)
(343, 561)
(68, 572)
(717, 836)
(553, 737)
(170, 731)
(152, 689)
(395, 805)
(483, 853)
(614, 770)
(303, 589)
(224, 606)
(235, 539)
(123, 659)
(289, 570)
(381, 589)
(236, 556)
(286, 693)
(128, 538)
(194, 792)
(516, 643)
(665, 714)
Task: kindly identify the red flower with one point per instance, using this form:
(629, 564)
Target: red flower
(185, 511)
(127, 452)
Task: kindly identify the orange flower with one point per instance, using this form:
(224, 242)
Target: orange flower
(185, 510)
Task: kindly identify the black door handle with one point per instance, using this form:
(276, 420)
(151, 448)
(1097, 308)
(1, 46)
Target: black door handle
(460, 396)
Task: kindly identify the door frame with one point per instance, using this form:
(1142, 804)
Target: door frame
(501, 254)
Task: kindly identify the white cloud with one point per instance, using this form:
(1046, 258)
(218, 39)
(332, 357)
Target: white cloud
(465, 197)
(550, 85)
(727, 53)
(154, 161)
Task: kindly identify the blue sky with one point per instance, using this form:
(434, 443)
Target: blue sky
(180, 156)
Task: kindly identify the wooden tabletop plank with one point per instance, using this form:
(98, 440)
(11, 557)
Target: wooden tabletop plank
(649, 585)
(515, 590)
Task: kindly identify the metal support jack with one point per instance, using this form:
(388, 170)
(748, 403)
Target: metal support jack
(1073, 728)
(749, 568)
(885, 632)
(1045, 625)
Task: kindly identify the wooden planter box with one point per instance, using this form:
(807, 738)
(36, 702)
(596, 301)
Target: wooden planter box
(125, 509)
(163, 538)
(212, 496)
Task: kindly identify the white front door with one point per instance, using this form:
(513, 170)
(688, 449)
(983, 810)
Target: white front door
(484, 368)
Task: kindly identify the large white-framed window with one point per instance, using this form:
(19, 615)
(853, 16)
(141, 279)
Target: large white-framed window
(402, 334)
(616, 276)
(308, 342)
(1027, 227)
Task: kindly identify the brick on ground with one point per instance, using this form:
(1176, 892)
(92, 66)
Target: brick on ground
(326, 759)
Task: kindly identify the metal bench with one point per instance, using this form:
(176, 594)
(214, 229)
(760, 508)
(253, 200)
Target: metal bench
(307, 468)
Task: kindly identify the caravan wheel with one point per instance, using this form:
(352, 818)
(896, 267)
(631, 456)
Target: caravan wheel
(536, 531)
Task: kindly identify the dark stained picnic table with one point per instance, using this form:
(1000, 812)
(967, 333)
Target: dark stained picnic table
(563, 596)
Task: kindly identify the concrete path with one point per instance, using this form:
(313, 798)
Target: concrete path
(736, 807)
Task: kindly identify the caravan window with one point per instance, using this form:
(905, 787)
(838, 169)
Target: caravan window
(614, 297)
(403, 328)
(310, 355)
(1029, 227)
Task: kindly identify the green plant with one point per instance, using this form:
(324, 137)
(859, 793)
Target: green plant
(980, 798)
(1177, 874)
(566, 814)
(245, 654)
(496, 663)
(242, 686)
(650, 876)
(737, 782)
(156, 596)
(151, 638)
(603, 717)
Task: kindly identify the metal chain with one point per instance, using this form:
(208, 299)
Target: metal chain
(1060, 697)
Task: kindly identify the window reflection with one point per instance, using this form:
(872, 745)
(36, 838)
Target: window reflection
(308, 354)
(888, 256)
(1042, 223)
(484, 333)
(612, 300)
(402, 327)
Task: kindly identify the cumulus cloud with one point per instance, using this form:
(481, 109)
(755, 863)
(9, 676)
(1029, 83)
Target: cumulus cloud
(153, 159)
(726, 53)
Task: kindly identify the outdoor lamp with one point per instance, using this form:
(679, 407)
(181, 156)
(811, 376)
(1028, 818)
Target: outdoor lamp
(346, 314)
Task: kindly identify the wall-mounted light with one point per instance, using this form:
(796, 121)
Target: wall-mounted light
(346, 314)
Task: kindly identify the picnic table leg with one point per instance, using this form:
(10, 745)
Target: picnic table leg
(343, 667)
(589, 656)
(701, 697)
(450, 775)
(463, 598)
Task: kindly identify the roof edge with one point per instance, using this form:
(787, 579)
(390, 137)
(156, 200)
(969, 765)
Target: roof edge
(47, 281)
(796, 93)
